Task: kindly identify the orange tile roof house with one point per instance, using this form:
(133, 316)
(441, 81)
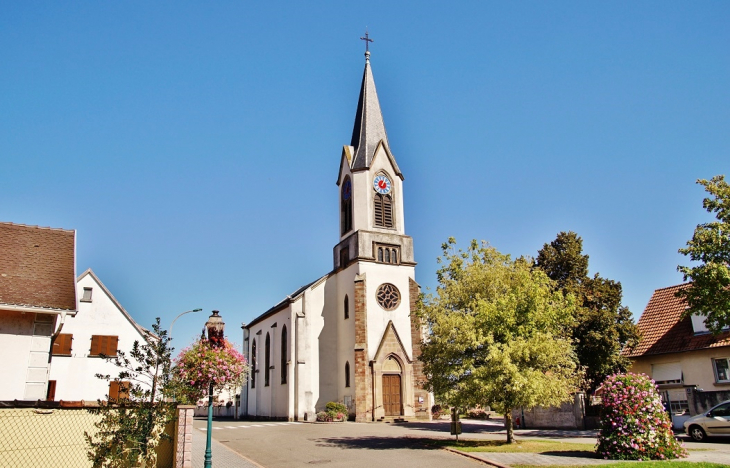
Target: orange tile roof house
(37, 292)
(679, 353)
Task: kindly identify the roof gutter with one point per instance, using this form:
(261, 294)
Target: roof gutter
(37, 310)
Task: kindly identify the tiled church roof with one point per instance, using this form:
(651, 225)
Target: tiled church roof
(663, 330)
(37, 267)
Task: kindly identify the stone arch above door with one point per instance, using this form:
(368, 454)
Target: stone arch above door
(391, 359)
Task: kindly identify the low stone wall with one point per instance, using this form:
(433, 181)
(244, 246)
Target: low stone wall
(700, 402)
(566, 416)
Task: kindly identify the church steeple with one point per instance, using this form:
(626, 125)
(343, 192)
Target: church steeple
(369, 128)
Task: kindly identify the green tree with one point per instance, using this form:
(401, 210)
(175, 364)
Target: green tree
(602, 327)
(498, 333)
(709, 292)
(131, 427)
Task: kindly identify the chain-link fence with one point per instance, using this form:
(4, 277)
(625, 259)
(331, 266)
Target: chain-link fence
(51, 434)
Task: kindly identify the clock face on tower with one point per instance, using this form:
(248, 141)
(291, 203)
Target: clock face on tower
(381, 184)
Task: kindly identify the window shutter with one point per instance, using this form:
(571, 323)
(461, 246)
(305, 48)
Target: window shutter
(95, 345)
(51, 395)
(378, 210)
(387, 211)
(124, 390)
(112, 349)
(113, 390)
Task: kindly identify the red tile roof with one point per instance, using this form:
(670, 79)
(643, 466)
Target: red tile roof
(37, 267)
(663, 330)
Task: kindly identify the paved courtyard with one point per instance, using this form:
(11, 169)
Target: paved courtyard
(286, 444)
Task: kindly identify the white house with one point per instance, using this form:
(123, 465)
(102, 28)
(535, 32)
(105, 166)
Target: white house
(350, 335)
(37, 295)
(101, 326)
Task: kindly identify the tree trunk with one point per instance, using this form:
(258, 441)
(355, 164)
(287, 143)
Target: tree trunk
(508, 426)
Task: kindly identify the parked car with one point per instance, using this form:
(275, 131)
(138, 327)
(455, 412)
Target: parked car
(715, 422)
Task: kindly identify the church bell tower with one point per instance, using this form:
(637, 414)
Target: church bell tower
(372, 222)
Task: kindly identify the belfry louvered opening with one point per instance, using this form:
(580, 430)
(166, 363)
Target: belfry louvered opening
(383, 211)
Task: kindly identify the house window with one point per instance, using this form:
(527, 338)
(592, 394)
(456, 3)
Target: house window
(283, 354)
(347, 307)
(253, 364)
(346, 206)
(86, 295)
(386, 253)
(62, 344)
(344, 256)
(267, 360)
(347, 374)
(667, 374)
(103, 345)
(118, 390)
(722, 370)
(383, 210)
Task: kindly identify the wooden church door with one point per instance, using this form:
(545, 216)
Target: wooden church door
(391, 395)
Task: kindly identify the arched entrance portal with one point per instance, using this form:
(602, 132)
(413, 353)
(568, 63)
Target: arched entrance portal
(392, 388)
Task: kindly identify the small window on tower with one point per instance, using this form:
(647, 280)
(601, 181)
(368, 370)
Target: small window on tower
(86, 296)
(384, 253)
(346, 206)
(344, 256)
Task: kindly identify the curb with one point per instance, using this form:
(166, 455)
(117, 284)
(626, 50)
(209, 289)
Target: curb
(486, 461)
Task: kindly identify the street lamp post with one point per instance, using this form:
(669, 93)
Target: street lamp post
(215, 326)
(169, 333)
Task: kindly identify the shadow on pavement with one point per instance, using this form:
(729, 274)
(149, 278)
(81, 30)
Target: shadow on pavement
(376, 443)
(445, 426)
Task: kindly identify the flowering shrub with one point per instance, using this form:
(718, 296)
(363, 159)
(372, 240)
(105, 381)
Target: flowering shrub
(197, 365)
(436, 411)
(634, 425)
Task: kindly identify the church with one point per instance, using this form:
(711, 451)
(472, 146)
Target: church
(350, 336)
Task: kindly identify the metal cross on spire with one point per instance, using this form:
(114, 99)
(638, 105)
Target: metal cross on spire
(367, 42)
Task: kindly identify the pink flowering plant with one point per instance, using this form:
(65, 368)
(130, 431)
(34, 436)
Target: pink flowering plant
(198, 365)
(634, 424)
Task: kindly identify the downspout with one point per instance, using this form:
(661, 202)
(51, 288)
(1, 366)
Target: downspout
(244, 389)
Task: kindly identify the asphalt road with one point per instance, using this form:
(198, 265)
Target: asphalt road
(370, 445)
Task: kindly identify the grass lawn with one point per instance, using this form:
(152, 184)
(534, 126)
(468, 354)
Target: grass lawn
(646, 464)
(522, 446)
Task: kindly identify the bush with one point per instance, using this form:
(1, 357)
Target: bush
(335, 407)
(634, 425)
(477, 413)
(436, 411)
(323, 416)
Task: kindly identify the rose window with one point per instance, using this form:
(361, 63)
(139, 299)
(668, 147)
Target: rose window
(388, 296)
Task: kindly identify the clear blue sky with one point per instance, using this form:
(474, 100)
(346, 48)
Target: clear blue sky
(195, 146)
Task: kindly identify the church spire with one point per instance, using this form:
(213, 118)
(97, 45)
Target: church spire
(369, 128)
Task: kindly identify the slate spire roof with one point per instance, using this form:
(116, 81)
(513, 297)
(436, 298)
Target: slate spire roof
(369, 128)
